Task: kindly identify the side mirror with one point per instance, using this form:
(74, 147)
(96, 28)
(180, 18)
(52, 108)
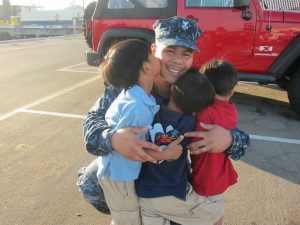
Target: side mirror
(241, 3)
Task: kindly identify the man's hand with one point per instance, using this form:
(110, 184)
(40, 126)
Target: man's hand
(215, 139)
(126, 143)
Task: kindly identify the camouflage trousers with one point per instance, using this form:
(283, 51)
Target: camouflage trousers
(90, 188)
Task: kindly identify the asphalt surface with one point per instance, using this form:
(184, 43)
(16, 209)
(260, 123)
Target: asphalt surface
(46, 89)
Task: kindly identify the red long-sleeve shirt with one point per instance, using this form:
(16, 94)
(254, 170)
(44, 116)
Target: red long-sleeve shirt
(213, 173)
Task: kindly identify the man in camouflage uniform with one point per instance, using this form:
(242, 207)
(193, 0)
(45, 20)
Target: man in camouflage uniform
(171, 34)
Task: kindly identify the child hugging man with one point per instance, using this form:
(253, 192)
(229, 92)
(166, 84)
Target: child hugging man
(175, 43)
(131, 66)
(213, 173)
(162, 188)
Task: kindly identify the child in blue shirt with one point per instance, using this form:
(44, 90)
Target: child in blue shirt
(131, 66)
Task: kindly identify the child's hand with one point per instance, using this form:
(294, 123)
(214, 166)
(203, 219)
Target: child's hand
(171, 152)
(174, 149)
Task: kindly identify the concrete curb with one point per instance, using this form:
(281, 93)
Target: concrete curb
(39, 39)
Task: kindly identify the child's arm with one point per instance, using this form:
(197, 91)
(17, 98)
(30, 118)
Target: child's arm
(100, 138)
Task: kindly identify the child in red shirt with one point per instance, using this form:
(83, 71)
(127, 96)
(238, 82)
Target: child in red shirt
(213, 173)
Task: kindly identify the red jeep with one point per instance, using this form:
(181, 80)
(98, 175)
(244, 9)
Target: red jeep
(260, 37)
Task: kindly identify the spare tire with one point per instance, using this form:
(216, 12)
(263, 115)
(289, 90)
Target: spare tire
(87, 22)
(294, 91)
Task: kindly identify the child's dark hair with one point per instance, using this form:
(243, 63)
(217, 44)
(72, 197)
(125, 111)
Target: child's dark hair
(221, 74)
(192, 92)
(123, 62)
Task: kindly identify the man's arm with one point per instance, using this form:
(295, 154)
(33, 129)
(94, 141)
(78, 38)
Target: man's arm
(100, 139)
(240, 144)
(217, 139)
(97, 133)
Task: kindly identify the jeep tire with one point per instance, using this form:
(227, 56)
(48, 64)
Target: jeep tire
(283, 82)
(294, 91)
(88, 13)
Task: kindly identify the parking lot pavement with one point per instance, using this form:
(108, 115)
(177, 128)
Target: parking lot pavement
(269, 175)
(41, 148)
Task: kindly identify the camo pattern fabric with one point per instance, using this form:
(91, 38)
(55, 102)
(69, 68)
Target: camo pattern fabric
(90, 188)
(177, 31)
(97, 133)
(240, 144)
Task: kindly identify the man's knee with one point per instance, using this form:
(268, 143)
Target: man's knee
(90, 188)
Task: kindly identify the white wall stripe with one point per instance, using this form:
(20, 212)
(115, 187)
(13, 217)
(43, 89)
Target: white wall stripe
(20, 48)
(51, 113)
(71, 36)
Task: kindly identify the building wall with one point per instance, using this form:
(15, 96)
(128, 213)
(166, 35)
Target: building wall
(58, 16)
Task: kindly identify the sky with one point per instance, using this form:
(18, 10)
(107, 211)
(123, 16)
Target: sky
(50, 4)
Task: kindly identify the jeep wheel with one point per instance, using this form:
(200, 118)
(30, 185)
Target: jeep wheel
(87, 23)
(294, 91)
(283, 82)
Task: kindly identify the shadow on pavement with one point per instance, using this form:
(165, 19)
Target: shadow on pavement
(269, 117)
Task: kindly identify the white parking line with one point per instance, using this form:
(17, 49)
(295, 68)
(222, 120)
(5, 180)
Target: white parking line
(42, 100)
(79, 71)
(51, 113)
(70, 69)
(252, 136)
(275, 139)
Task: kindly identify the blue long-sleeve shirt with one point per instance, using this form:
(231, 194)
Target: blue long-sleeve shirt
(132, 107)
(97, 133)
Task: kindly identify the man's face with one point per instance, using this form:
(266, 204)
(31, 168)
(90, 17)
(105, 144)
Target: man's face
(175, 60)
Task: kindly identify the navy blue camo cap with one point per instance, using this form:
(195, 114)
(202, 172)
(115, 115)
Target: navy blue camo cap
(177, 31)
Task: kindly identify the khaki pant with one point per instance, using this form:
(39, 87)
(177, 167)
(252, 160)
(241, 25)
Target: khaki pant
(122, 201)
(195, 210)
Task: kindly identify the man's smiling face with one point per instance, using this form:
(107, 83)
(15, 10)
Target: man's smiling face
(175, 60)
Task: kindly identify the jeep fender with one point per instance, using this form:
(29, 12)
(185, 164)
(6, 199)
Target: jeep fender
(116, 34)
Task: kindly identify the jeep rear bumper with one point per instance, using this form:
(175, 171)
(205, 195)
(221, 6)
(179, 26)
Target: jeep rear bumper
(92, 58)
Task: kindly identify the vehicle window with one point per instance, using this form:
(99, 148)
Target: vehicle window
(210, 3)
(281, 4)
(120, 4)
(154, 3)
(128, 4)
